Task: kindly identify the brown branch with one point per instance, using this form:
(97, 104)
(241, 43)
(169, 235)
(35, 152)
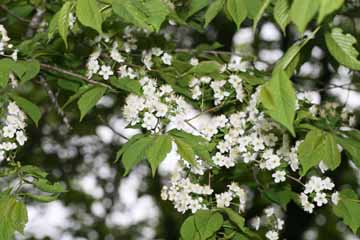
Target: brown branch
(48, 67)
(53, 99)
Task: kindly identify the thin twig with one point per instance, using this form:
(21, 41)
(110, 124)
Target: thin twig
(111, 127)
(75, 75)
(53, 99)
(296, 180)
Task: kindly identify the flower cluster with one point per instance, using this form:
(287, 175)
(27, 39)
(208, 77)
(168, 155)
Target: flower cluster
(317, 191)
(155, 108)
(5, 46)
(186, 195)
(234, 192)
(12, 133)
(271, 220)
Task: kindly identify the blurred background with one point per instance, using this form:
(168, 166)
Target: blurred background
(103, 204)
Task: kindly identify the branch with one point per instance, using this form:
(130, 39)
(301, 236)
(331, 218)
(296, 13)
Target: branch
(48, 67)
(53, 99)
(21, 19)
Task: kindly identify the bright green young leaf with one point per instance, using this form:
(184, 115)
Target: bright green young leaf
(348, 208)
(158, 151)
(278, 98)
(213, 11)
(46, 186)
(341, 47)
(206, 67)
(33, 171)
(188, 230)
(126, 84)
(13, 217)
(302, 11)
(253, 7)
(260, 13)
(63, 21)
(88, 13)
(207, 223)
(327, 7)
(80, 92)
(157, 12)
(89, 99)
(43, 198)
(131, 11)
(281, 13)
(318, 146)
(185, 150)
(135, 153)
(28, 107)
(237, 10)
(195, 6)
(126, 146)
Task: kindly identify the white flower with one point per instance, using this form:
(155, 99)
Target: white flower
(21, 138)
(166, 59)
(320, 199)
(272, 235)
(255, 223)
(157, 51)
(194, 61)
(236, 64)
(269, 211)
(323, 167)
(72, 20)
(279, 176)
(116, 56)
(106, 72)
(280, 223)
(223, 199)
(13, 108)
(335, 198)
(2, 155)
(150, 121)
(9, 131)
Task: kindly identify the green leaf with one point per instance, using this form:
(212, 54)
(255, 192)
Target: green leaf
(206, 67)
(80, 92)
(199, 144)
(291, 58)
(126, 146)
(196, 6)
(28, 107)
(213, 11)
(88, 13)
(351, 146)
(237, 10)
(348, 208)
(235, 218)
(327, 7)
(157, 12)
(188, 230)
(158, 151)
(261, 11)
(13, 217)
(318, 146)
(126, 84)
(27, 70)
(63, 21)
(53, 26)
(207, 223)
(89, 99)
(281, 13)
(43, 198)
(341, 48)
(278, 97)
(135, 153)
(6, 65)
(185, 150)
(46, 186)
(302, 11)
(279, 196)
(33, 171)
(131, 11)
(253, 7)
